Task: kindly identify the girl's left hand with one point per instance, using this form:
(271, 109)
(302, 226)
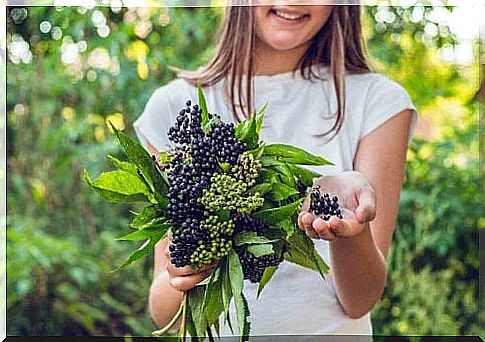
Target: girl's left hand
(357, 202)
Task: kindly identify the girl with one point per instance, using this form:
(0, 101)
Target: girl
(308, 62)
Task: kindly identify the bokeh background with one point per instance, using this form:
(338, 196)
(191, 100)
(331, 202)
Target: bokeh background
(71, 69)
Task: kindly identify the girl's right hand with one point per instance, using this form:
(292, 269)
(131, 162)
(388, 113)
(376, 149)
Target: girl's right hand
(185, 278)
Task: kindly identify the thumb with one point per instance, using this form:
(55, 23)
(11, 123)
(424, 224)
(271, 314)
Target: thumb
(366, 210)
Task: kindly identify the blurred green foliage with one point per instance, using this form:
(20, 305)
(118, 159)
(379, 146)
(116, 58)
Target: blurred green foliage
(70, 69)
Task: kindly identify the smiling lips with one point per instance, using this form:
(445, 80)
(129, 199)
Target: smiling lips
(287, 14)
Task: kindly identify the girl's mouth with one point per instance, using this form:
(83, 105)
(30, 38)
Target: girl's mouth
(288, 15)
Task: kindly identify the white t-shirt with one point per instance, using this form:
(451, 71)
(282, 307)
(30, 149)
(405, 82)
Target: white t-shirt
(296, 301)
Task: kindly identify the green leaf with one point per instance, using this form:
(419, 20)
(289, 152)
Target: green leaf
(122, 165)
(247, 133)
(118, 186)
(305, 175)
(202, 105)
(284, 174)
(273, 216)
(280, 191)
(236, 275)
(257, 152)
(146, 233)
(226, 289)
(237, 280)
(267, 275)
(248, 237)
(242, 310)
(270, 161)
(259, 118)
(195, 299)
(301, 251)
(289, 226)
(213, 306)
(261, 189)
(208, 126)
(294, 155)
(191, 327)
(149, 215)
(261, 249)
(140, 157)
(145, 249)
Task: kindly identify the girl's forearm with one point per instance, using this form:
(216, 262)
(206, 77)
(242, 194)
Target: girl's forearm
(164, 300)
(359, 272)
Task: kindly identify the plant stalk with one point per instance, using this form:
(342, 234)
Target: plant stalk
(183, 325)
(170, 324)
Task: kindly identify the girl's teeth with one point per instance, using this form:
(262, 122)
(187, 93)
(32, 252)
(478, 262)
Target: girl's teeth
(288, 16)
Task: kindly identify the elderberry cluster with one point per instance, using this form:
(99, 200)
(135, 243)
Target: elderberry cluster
(191, 171)
(253, 267)
(322, 204)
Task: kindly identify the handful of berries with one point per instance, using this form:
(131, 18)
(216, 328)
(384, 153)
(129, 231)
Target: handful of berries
(225, 197)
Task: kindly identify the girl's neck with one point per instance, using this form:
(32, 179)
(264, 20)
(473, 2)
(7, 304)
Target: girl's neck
(268, 61)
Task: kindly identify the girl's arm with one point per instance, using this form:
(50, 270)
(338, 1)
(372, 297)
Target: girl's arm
(369, 197)
(359, 262)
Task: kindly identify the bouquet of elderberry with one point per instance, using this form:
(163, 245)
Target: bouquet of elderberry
(224, 197)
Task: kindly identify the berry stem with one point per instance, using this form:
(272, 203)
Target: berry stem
(183, 325)
(165, 329)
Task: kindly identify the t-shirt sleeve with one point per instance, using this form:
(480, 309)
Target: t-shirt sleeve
(153, 124)
(385, 100)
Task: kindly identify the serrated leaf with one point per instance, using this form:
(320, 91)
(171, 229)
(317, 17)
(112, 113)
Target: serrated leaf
(191, 327)
(236, 275)
(261, 189)
(260, 249)
(140, 157)
(295, 155)
(122, 165)
(289, 226)
(242, 310)
(237, 280)
(301, 251)
(248, 237)
(280, 191)
(247, 132)
(145, 249)
(265, 278)
(259, 118)
(202, 105)
(149, 215)
(195, 300)
(226, 289)
(146, 233)
(273, 216)
(118, 186)
(208, 126)
(284, 174)
(257, 152)
(269, 160)
(213, 306)
(305, 175)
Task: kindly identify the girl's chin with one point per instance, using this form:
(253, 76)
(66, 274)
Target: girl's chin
(284, 44)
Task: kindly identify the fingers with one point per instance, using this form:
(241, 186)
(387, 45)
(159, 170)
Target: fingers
(322, 228)
(185, 283)
(366, 210)
(305, 220)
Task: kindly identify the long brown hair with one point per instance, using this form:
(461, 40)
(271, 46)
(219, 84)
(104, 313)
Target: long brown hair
(338, 45)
